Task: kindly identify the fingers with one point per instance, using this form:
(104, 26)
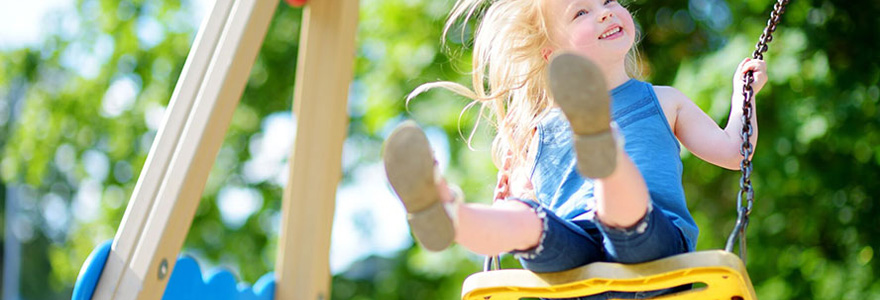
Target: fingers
(516, 184)
(503, 181)
(759, 72)
(740, 71)
(519, 186)
(758, 68)
(506, 161)
(754, 65)
(739, 67)
(502, 189)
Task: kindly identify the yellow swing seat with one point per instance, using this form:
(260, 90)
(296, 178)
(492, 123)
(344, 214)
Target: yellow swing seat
(722, 273)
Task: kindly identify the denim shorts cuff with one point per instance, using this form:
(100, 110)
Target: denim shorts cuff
(533, 252)
(638, 228)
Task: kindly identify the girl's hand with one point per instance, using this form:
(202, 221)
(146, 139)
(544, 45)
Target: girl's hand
(502, 188)
(759, 71)
(512, 181)
(520, 186)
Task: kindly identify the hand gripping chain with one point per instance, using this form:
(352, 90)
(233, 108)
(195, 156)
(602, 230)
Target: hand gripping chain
(745, 182)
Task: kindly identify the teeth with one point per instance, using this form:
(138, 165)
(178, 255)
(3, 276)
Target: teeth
(613, 31)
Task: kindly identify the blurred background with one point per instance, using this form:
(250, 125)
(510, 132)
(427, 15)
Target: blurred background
(84, 85)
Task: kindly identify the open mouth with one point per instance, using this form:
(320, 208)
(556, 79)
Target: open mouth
(613, 32)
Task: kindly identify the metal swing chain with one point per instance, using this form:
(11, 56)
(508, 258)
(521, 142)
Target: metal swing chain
(745, 182)
(492, 263)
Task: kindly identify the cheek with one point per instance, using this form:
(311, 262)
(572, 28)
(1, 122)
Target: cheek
(583, 35)
(627, 21)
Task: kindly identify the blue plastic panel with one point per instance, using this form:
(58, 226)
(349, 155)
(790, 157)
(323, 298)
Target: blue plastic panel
(186, 281)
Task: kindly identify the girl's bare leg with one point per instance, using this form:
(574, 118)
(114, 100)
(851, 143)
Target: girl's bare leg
(622, 197)
(499, 228)
(494, 229)
(436, 218)
(579, 88)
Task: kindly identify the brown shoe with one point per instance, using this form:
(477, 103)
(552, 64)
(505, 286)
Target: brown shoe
(579, 88)
(409, 165)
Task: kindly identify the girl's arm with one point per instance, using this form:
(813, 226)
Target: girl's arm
(704, 138)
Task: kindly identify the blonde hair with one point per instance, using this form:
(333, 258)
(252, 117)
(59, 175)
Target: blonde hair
(508, 70)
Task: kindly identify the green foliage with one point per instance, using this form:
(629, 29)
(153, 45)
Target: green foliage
(813, 233)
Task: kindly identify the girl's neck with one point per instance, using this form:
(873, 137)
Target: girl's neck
(615, 75)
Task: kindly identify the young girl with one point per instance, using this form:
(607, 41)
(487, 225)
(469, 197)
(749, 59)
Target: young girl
(583, 178)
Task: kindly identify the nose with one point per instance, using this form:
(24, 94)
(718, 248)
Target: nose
(605, 15)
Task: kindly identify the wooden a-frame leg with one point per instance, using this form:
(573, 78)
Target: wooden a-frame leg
(172, 212)
(324, 72)
(159, 157)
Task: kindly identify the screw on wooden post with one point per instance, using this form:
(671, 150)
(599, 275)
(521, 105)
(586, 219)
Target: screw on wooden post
(163, 268)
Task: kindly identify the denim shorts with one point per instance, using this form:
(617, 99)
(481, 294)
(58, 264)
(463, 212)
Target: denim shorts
(568, 244)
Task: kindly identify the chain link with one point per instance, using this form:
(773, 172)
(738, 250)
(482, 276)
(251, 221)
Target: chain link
(492, 262)
(745, 183)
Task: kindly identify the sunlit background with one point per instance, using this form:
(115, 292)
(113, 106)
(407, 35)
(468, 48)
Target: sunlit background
(363, 226)
(84, 87)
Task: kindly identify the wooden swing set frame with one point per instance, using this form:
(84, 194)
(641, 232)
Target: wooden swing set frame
(164, 201)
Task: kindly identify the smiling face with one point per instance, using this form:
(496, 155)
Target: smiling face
(602, 30)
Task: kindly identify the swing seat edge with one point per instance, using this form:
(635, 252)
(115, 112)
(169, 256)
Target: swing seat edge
(723, 274)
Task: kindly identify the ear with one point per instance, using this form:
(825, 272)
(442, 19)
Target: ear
(546, 53)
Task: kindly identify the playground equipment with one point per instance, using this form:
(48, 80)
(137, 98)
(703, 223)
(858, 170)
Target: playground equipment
(722, 273)
(142, 259)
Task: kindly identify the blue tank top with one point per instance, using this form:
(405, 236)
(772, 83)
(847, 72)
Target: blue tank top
(650, 144)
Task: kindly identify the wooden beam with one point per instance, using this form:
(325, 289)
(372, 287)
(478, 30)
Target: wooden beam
(323, 75)
(159, 157)
(172, 213)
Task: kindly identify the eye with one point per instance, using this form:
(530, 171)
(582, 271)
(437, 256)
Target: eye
(609, 1)
(580, 13)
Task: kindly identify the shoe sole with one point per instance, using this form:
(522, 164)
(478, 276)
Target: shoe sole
(579, 88)
(409, 165)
